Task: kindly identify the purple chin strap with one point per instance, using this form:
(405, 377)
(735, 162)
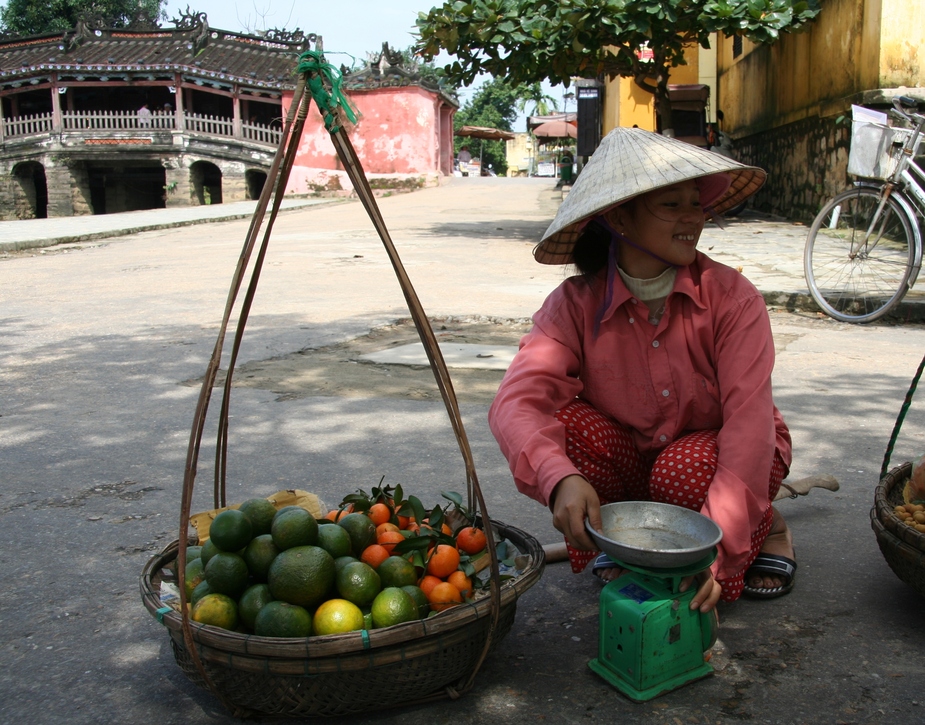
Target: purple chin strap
(616, 237)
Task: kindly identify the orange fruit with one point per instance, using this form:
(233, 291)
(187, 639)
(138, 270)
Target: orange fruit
(428, 582)
(388, 539)
(463, 583)
(404, 522)
(443, 596)
(387, 526)
(445, 528)
(336, 515)
(471, 540)
(380, 513)
(444, 561)
(374, 555)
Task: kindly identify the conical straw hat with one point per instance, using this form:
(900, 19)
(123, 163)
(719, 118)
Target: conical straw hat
(630, 162)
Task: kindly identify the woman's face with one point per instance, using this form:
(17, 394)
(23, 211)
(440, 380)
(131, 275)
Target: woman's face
(666, 223)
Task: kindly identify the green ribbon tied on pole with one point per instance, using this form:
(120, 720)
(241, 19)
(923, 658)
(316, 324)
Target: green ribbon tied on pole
(317, 71)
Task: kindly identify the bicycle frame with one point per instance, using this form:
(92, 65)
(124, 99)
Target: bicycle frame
(908, 192)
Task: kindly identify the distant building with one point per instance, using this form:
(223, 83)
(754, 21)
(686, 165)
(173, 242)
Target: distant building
(99, 120)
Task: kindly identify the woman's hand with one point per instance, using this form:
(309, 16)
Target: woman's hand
(708, 590)
(574, 499)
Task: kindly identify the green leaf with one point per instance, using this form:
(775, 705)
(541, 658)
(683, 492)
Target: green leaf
(454, 497)
(415, 543)
(417, 508)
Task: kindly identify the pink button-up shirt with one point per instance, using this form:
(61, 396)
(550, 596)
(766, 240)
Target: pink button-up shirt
(706, 365)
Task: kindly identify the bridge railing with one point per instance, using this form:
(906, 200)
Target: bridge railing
(77, 122)
(117, 120)
(39, 123)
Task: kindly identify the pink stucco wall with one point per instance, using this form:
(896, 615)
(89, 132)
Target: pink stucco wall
(402, 131)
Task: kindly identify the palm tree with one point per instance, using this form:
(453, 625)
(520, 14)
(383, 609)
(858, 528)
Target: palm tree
(543, 104)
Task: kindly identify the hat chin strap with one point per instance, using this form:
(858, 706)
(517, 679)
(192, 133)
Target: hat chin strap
(615, 238)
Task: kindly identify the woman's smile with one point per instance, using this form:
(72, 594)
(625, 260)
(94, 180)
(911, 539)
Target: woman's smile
(663, 227)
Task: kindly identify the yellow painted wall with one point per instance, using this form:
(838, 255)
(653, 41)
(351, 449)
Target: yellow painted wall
(902, 43)
(626, 104)
(519, 153)
(852, 47)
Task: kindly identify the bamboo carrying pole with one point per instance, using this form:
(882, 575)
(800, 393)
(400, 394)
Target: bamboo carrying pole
(318, 77)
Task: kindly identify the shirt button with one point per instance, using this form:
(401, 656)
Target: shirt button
(655, 343)
(663, 438)
(632, 320)
(666, 393)
(634, 301)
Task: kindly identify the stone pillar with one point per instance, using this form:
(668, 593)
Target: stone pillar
(59, 181)
(236, 123)
(176, 178)
(178, 97)
(80, 189)
(234, 186)
(56, 123)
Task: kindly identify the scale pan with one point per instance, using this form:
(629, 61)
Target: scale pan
(656, 535)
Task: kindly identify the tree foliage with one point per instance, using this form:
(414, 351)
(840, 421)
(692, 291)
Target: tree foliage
(28, 17)
(532, 95)
(526, 41)
(494, 104)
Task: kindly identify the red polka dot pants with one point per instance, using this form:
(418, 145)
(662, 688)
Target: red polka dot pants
(604, 453)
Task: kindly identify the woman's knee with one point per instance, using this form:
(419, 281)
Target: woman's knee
(683, 471)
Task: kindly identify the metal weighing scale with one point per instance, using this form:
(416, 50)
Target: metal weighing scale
(650, 642)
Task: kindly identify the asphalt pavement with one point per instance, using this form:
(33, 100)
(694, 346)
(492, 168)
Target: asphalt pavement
(107, 332)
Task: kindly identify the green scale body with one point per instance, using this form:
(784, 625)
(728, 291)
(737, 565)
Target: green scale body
(650, 641)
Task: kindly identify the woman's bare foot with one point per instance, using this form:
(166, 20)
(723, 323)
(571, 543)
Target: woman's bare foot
(605, 569)
(779, 543)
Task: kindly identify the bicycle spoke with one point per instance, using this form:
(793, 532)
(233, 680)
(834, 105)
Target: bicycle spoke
(858, 257)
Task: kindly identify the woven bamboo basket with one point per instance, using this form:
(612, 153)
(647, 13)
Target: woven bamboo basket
(333, 675)
(350, 673)
(901, 545)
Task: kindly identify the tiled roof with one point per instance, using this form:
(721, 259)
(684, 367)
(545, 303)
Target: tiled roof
(215, 55)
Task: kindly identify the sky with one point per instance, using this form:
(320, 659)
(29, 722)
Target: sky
(350, 29)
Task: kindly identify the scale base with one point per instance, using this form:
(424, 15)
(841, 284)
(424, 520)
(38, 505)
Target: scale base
(654, 691)
(649, 639)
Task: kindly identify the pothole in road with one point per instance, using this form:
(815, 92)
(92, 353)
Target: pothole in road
(341, 370)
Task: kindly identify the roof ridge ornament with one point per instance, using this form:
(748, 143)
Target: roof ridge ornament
(197, 24)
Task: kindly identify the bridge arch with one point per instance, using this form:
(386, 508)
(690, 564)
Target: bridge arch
(206, 183)
(30, 190)
(254, 180)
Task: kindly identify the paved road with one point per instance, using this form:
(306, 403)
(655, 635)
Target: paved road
(102, 338)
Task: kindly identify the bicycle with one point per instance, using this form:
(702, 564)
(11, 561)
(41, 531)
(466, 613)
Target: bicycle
(864, 248)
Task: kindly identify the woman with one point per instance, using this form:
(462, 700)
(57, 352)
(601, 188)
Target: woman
(648, 376)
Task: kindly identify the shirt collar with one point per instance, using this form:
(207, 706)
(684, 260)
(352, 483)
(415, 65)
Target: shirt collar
(686, 283)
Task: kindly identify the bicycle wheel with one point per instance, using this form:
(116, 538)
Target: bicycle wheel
(858, 267)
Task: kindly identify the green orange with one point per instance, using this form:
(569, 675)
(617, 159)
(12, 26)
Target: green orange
(302, 575)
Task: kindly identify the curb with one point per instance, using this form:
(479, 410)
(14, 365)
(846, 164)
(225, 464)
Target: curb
(908, 311)
(24, 245)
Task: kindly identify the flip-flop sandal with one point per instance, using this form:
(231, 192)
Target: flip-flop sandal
(601, 563)
(773, 565)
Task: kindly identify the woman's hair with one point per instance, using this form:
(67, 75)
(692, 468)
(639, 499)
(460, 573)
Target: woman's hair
(591, 249)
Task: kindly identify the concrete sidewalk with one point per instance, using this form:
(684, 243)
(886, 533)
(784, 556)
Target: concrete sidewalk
(768, 250)
(25, 234)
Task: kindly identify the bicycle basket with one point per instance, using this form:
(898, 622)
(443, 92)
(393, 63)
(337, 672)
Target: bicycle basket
(875, 149)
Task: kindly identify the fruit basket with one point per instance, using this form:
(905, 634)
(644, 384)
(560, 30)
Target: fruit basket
(335, 674)
(902, 544)
(344, 674)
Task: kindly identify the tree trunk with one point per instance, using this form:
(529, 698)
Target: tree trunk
(663, 103)
(659, 91)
